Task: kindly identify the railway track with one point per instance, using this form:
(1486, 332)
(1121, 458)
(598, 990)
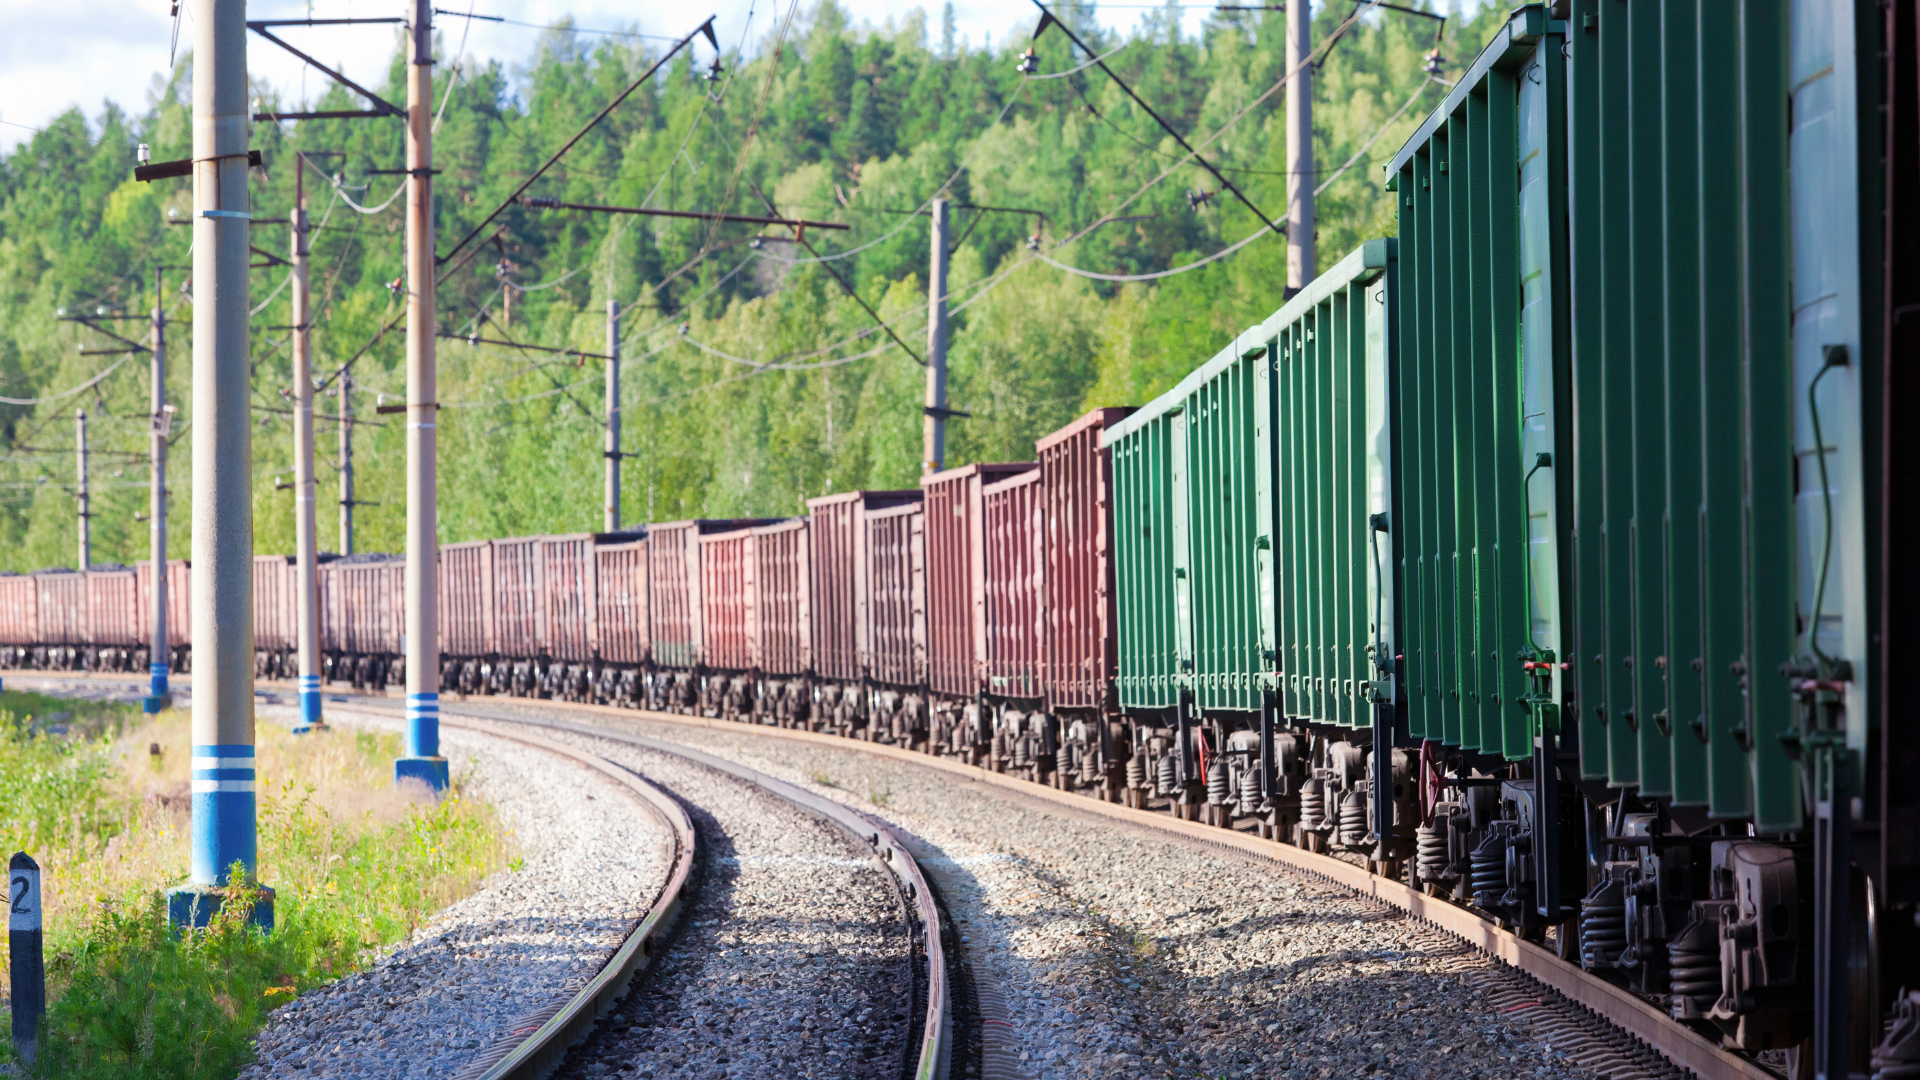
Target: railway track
(602, 1029)
(1599, 1026)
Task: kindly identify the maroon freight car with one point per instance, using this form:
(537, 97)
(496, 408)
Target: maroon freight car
(569, 632)
(276, 622)
(892, 704)
(466, 609)
(19, 619)
(364, 619)
(783, 585)
(1082, 641)
(61, 596)
(956, 610)
(729, 621)
(516, 605)
(179, 607)
(838, 541)
(1013, 627)
(117, 630)
(620, 578)
(674, 607)
(1082, 644)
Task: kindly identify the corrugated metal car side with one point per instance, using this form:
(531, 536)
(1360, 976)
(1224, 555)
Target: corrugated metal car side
(674, 605)
(518, 597)
(466, 599)
(896, 644)
(837, 546)
(372, 604)
(1221, 522)
(273, 599)
(1694, 620)
(728, 600)
(19, 610)
(117, 612)
(955, 568)
(62, 607)
(179, 600)
(783, 590)
(1325, 446)
(1013, 530)
(1081, 638)
(621, 581)
(567, 569)
(673, 593)
(1151, 667)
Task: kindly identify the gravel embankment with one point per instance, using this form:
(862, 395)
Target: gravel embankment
(794, 960)
(594, 862)
(1103, 950)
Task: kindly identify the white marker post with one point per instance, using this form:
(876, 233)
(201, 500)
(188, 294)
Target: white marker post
(27, 963)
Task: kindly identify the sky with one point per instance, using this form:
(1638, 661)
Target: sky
(57, 55)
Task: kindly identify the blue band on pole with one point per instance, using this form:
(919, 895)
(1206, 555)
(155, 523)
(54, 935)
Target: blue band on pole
(423, 725)
(223, 811)
(309, 700)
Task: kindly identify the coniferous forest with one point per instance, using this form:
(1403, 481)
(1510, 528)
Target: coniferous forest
(751, 380)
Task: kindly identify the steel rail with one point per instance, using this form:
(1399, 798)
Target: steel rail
(1652, 1027)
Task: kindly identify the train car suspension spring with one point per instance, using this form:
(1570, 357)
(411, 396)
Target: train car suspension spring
(1603, 922)
(1250, 791)
(1489, 870)
(1137, 770)
(1353, 817)
(1431, 859)
(1313, 804)
(1167, 778)
(1695, 960)
(1219, 783)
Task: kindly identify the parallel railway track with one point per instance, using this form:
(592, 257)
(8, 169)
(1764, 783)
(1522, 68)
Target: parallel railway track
(1654, 1045)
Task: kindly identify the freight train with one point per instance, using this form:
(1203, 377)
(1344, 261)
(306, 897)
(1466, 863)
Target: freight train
(1539, 554)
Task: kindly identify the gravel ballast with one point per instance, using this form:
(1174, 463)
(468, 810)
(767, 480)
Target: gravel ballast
(1101, 949)
(593, 863)
(794, 960)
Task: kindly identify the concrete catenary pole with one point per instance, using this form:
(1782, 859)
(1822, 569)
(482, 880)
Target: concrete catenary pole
(306, 540)
(1300, 170)
(346, 464)
(158, 668)
(612, 521)
(223, 770)
(422, 761)
(80, 457)
(935, 458)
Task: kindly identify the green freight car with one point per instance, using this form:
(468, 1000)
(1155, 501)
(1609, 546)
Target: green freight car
(1542, 551)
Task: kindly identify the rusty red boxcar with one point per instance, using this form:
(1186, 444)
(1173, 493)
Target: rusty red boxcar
(1082, 644)
(364, 617)
(955, 541)
(275, 616)
(466, 599)
(179, 604)
(895, 648)
(1013, 531)
(61, 596)
(673, 593)
(783, 601)
(567, 627)
(19, 619)
(621, 579)
(117, 612)
(837, 537)
(729, 620)
(516, 597)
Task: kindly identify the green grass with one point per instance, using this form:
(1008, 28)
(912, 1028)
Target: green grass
(356, 866)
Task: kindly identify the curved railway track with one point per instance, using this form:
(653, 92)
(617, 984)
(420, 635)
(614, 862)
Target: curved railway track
(1607, 1028)
(540, 1042)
